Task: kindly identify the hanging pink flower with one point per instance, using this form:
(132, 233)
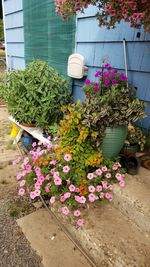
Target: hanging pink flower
(21, 192)
(52, 200)
(91, 188)
(57, 181)
(80, 222)
(92, 197)
(22, 183)
(72, 188)
(65, 210)
(77, 213)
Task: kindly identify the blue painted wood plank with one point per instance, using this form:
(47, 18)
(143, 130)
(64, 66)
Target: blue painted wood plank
(14, 20)
(15, 35)
(16, 63)
(11, 6)
(15, 50)
(88, 30)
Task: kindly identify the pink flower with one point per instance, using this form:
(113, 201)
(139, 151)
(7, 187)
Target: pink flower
(82, 199)
(26, 160)
(37, 192)
(22, 183)
(67, 157)
(19, 176)
(77, 213)
(104, 169)
(108, 196)
(92, 197)
(107, 7)
(53, 162)
(67, 195)
(90, 176)
(52, 171)
(18, 159)
(101, 195)
(24, 173)
(80, 222)
(72, 188)
(65, 210)
(108, 175)
(37, 186)
(39, 182)
(37, 170)
(77, 190)
(62, 199)
(47, 177)
(52, 200)
(57, 181)
(118, 176)
(68, 181)
(14, 163)
(87, 82)
(122, 183)
(91, 188)
(32, 195)
(99, 188)
(41, 178)
(28, 167)
(21, 192)
(98, 172)
(115, 167)
(56, 175)
(66, 169)
(34, 144)
(110, 187)
(104, 184)
(47, 187)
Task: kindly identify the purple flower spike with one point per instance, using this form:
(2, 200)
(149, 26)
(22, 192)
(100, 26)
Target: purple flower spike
(87, 82)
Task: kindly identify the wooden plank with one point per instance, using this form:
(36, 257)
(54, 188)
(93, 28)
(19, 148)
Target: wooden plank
(15, 35)
(16, 63)
(12, 6)
(88, 30)
(14, 20)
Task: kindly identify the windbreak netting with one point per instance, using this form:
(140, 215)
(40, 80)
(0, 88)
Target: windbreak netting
(47, 35)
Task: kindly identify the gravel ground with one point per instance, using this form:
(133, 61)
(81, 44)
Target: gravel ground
(15, 250)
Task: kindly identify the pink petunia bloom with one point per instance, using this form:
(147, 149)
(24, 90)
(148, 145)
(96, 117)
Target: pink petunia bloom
(98, 172)
(22, 183)
(72, 188)
(28, 167)
(26, 160)
(122, 183)
(104, 169)
(90, 176)
(115, 167)
(37, 170)
(118, 176)
(65, 210)
(57, 181)
(67, 157)
(22, 166)
(19, 176)
(82, 199)
(52, 200)
(77, 190)
(99, 188)
(37, 192)
(37, 186)
(91, 188)
(92, 197)
(107, 8)
(14, 162)
(68, 181)
(39, 182)
(47, 187)
(80, 222)
(21, 192)
(108, 175)
(110, 187)
(53, 162)
(47, 177)
(62, 199)
(41, 178)
(77, 213)
(87, 82)
(56, 175)
(104, 184)
(32, 195)
(66, 169)
(108, 196)
(67, 195)
(52, 171)
(101, 195)
(34, 144)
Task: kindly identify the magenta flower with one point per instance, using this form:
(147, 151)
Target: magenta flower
(87, 82)
(123, 77)
(92, 197)
(98, 73)
(65, 210)
(34, 144)
(52, 200)
(77, 213)
(21, 192)
(80, 222)
(66, 169)
(28, 167)
(67, 157)
(22, 183)
(91, 188)
(114, 82)
(72, 188)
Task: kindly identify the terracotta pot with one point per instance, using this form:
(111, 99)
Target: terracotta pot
(28, 125)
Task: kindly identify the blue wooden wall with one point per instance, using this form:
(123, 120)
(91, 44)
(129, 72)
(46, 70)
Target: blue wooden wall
(14, 29)
(96, 43)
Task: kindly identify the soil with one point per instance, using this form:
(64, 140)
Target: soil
(15, 250)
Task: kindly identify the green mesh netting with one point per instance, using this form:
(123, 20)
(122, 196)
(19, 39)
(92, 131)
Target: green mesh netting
(47, 36)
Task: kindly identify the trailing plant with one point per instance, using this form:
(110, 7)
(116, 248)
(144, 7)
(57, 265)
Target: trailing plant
(110, 12)
(135, 136)
(42, 175)
(35, 95)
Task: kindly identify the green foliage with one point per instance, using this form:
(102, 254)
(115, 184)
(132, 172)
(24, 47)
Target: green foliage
(36, 94)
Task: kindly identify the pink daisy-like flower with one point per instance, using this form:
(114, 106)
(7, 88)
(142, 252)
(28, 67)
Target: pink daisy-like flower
(66, 169)
(67, 195)
(57, 181)
(82, 199)
(21, 192)
(108, 175)
(34, 144)
(108, 196)
(28, 167)
(72, 188)
(65, 210)
(98, 172)
(62, 199)
(92, 197)
(22, 183)
(104, 169)
(47, 187)
(80, 222)
(91, 188)
(32, 195)
(37, 192)
(90, 176)
(56, 174)
(39, 182)
(52, 200)
(99, 188)
(118, 176)
(52, 171)
(67, 157)
(115, 167)
(37, 170)
(41, 178)
(77, 213)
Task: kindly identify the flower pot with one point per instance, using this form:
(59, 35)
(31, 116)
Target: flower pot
(113, 141)
(129, 149)
(28, 125)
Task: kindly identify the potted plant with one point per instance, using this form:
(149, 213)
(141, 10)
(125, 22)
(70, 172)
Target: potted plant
(135, 140)
(35, 95)
(109, 108)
